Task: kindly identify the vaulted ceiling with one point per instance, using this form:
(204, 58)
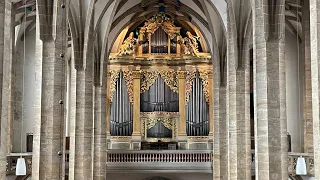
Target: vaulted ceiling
(109, 17)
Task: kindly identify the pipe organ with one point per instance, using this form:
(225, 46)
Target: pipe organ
(159, 87)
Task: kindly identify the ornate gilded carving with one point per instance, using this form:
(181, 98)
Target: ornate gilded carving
(167, 122)
(205, 138)
(170, 78)
(128, 77)
(190, 75)
(128, 46)
(121, 137)
(148, 78)
(161, 21)
(114, 76)
(168, 119)
(204, 75)
(190, 44)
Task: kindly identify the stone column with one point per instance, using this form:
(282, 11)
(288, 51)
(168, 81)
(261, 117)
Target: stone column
(99, 154)
(136, 105)
(223, 135)
(307, 100)
(271, 152)
(50, 81)
(108, 105)
(315, 79)
(6, 51)
(211, 115)
(231, 99)
(182, 104)
(72, 118)
(84, 122)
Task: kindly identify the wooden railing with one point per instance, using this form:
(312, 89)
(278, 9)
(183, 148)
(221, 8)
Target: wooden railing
(166, 156)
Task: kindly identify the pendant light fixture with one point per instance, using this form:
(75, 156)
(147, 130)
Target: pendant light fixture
(301, 168)
(21, 169)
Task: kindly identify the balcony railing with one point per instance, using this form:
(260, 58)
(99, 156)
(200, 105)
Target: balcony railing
(12, 162)
(159, 156)
(166, 160)
(292, 162)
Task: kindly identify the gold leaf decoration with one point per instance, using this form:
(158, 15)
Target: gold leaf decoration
(167, 122)
(114, 76)
(204, 75)
(190, 75)
(170, 78)
(128, 78)
(147, 80)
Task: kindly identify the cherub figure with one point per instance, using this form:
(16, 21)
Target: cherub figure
(127, 47)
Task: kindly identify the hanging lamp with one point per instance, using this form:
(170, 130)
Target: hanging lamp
(21, 169)
(301, 168)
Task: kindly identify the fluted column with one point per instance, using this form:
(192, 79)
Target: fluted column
(6, 53)
(315, 79)
(271, 154)
(182, 104)
(48, 137)
(307, 100)
(136, 104)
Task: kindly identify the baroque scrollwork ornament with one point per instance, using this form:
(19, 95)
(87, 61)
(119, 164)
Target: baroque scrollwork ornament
(128, 77)
(114, 76)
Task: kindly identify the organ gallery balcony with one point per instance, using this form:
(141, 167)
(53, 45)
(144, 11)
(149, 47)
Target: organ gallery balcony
(199, 161)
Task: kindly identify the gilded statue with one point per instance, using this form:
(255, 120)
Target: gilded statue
(190, 44)
(128, 46)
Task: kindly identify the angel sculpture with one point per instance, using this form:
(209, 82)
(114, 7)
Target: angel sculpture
(190, 44)
(127, 47)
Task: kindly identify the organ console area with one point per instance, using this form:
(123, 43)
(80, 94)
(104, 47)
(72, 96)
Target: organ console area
(159, 88)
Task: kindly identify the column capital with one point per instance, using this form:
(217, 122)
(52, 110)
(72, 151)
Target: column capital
(136, 74)
(181, 74)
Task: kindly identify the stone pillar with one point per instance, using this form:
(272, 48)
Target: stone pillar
(108, 105)
(243, 113)
(211, 115)
(50, 81)
(72, 118)
(232, 126)
(223, 135)
(315, 80)
(99, 154)
(6, 53)
(182, 104)
(136, 105)
(271, 148)
(84, 122)
(307, 100)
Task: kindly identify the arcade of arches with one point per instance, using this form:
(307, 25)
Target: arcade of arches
(93, 89)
